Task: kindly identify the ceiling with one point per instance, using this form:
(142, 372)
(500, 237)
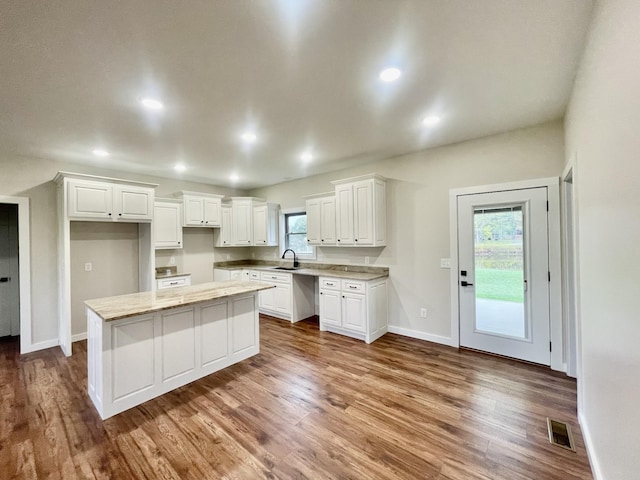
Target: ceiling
(300, 74)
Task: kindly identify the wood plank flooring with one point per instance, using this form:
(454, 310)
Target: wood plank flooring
(311, 405)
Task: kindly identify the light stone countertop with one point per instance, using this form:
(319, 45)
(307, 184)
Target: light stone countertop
(124, 306)
(334, 271)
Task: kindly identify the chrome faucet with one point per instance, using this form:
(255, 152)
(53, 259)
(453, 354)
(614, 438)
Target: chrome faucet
(295, 260)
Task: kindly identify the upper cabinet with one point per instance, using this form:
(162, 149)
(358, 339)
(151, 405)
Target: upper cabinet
(321, 219)
(246, 222)
(92, 198)
(265, 225)
(201, 209)
(361, 213)
(167, 224)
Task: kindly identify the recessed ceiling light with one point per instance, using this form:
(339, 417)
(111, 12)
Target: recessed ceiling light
(180, 167)
(306, 157)
(431, 121)
(99, 152)
(151, 104)
(390, 74)
(234, 177)
(249, 137)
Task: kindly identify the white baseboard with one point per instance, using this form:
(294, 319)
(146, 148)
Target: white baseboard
(407, 332)
(78, 336)
(588, 443)
(34, 347)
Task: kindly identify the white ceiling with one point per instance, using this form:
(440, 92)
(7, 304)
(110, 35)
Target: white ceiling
(300, 73)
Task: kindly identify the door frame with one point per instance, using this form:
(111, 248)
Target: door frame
(555, 255)
(24, 258)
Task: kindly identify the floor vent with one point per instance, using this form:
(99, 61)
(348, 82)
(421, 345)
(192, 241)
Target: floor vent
(560, 434)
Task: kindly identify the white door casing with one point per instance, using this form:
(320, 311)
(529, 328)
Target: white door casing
(532, 343)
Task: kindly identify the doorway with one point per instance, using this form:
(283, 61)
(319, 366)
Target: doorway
(503, 269)
(9, 271)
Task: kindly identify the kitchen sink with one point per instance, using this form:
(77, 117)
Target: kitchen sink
(285, 268)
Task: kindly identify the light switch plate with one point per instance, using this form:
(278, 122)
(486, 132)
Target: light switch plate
(88, 267)
(445, 263)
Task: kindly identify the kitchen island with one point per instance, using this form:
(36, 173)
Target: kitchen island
(142, 345)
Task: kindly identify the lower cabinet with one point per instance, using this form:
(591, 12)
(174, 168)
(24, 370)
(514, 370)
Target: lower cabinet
(354, 308)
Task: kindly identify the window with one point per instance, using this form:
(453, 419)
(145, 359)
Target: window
(295, 233)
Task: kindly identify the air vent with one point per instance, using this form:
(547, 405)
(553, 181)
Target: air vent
(560, 434)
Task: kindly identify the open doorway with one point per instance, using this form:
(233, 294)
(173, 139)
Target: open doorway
(9, 272)
(15, 271)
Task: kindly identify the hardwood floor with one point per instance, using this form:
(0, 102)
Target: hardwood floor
(311, 405)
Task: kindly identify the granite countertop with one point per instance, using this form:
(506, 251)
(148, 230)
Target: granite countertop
(356, 272)
(124, 306)
(169, 272)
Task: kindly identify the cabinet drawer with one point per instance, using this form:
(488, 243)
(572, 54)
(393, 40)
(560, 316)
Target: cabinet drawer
(174, 282)
(353, 286)
(329, 283)
(275, 277)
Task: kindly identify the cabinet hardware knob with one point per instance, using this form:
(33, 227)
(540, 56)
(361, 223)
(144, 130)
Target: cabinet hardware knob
(109, 214)
(119, 214)
(207, 221)
(322, 240)
(342, 296)
(356, 239)
(338, 239)
(178, 243)
(321, 293)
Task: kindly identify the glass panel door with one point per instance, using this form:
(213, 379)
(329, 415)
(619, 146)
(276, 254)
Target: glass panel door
(499, 271)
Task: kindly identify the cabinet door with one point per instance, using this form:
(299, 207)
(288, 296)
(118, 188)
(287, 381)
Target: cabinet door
(354, 311)
(328, 221)
(313, 221)
(133, 203)
(260, 225)
(167, 225)
(363, 212)
(344, 215)
(242, 213)
(283, 298)
(223, 238)
(211, 212)
(267, 299)
(90, 200)
(193, 211)
(330, 307)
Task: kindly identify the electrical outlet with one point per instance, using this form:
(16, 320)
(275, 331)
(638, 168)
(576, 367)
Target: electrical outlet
(445, 263)
(172, 260)
(366, 260)
(423, 312)
(88, 267)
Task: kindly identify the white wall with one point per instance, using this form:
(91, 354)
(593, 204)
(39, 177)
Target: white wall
(418, 213)
(603, 136)
(28, 177)
(112, 249)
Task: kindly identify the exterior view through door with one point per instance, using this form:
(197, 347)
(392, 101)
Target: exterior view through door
(503, 259)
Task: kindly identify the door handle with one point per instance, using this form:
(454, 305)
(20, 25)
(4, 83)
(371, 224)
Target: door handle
(5, 279)
(464, 283)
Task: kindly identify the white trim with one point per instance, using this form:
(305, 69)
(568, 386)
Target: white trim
(589, 447)
(429, 337)
(34, 347)
(555, 249)
(78, 337)
(24, 258)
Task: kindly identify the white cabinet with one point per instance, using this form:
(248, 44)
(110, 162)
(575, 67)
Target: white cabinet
(201, 209)
(354, 308)
(291, 299)
(105, 201)
(321, 219)
(246, 222)
(223, 237)
(226, 274)
(242, 222)
(361, 211)
(167, 224)
(265, 225)
(173, 282)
